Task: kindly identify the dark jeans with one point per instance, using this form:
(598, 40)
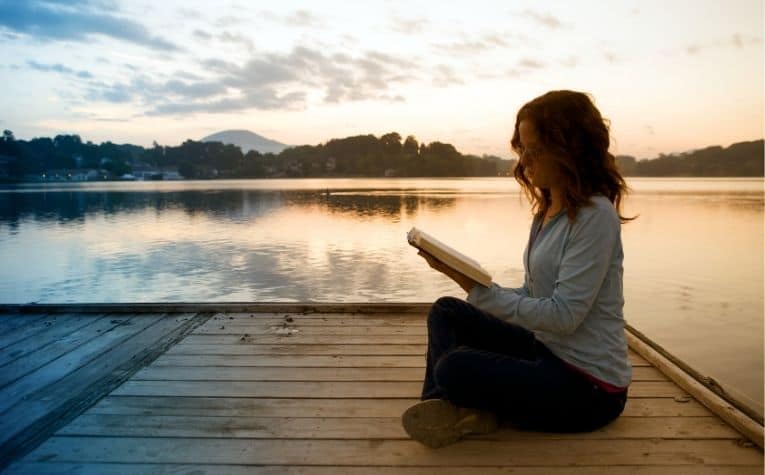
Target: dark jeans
(476, 360)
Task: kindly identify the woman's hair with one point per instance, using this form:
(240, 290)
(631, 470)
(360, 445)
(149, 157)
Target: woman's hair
(573, 133)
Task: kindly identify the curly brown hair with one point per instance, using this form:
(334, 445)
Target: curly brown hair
(572, 129)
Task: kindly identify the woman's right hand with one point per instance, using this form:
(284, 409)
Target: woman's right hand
(461, 279)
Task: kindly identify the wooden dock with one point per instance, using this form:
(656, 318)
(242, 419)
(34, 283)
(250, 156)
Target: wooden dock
(302, 389)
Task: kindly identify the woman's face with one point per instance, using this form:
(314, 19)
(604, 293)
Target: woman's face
(538, 164)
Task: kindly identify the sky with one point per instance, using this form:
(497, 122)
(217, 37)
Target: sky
(669, 77)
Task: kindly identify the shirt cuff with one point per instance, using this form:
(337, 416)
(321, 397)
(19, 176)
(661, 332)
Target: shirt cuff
(476, 293)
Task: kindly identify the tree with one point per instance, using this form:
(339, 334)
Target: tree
(411, 148)
(8, 145)
(391, 142)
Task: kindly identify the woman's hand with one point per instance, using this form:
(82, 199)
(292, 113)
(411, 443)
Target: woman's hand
(461, 279)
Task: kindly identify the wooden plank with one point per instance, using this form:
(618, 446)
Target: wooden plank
(238, 373)
(224, 307)
(13, 321)
(255, 427)
(190, 345)
(319, 319)
(316, 342)
(329, 330)
(36, 359)
(328, 407)
(174, 359)
(61, 367)
(296, 373)
(63, 326)
(192, 348)
(298, 320)
(35, 326)
(299, 338)
(287, 360)
(315, 389)
(46, 410)
(52, 468)
(393, 452)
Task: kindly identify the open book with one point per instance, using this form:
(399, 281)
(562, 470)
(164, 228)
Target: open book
(452, 258)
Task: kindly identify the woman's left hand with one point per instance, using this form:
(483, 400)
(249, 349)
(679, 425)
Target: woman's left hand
(461, 279)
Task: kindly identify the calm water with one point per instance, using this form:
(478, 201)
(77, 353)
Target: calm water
(693, 277)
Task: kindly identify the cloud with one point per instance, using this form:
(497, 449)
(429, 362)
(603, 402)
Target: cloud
(471, 45)
(76, 20)
(445, 76)
(298, 18)
(228, 37)
(543, 19)
(202, 35)
(257, 98)
(189, 13)
(148, 91)
(58, 68)
(302, 18)
(408, 26)
(524, 67)
(570, 62)
(225, 37)
(228, 20)
(270, 81)
(737, 40)
(530, 64)
(108, 119)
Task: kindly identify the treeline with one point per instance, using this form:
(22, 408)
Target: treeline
(364, 155)
(38, 155)
(738, 160)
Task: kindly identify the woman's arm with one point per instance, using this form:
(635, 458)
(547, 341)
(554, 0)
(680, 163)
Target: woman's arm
(583, 269)
(462, 280)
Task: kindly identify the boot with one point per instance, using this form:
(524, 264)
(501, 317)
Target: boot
(438, 422)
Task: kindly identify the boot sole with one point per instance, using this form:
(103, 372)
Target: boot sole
(432, 422)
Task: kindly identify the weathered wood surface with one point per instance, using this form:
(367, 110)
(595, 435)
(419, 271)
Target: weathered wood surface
(50, 468)
(225, 307)
(76, 360)
(733, 415)
(366, 427)
(306, 373)
(332, 407)
(254, 397)
(224, 449)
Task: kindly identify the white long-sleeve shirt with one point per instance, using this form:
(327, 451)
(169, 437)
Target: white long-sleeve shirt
(572, 296)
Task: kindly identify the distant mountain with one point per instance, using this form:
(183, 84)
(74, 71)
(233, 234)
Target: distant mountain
(247, 141)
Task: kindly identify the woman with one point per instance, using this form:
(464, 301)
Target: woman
(550, 355)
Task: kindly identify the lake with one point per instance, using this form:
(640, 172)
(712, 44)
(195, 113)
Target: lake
(693, 266)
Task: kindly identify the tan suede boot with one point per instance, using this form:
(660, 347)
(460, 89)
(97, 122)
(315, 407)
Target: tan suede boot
(438, 422)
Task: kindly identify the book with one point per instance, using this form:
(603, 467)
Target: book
(449, 256)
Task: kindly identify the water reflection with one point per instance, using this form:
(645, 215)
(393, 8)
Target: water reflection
(70, 207)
